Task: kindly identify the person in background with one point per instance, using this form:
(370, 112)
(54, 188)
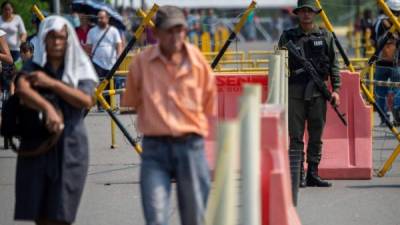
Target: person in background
(7, 87)
(250, 27)
(26, 51)
(203, 24)
(13, 25)
(191, 20)
(367, 22)
(364, 24)
(7, 69)
(105, 45)
(172, 88)
(211, 22)
(33, 39)
(82, 31)
(5, 54)
(197, 23)
(7, 79)
(387, 66)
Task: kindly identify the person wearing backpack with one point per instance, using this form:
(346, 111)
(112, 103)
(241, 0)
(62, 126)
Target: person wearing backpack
(387, 66)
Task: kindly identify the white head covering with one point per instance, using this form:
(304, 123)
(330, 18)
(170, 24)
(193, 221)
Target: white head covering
(77, 65)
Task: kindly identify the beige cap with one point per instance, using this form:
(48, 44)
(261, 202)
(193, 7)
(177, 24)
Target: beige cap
(170, 16)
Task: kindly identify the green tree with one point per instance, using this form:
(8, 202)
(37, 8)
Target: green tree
(24, 9)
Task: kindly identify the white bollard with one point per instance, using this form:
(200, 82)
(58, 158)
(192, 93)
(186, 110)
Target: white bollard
(250, 146)
(285, 87)
(222, 204)
(274, 83)
(283, 77)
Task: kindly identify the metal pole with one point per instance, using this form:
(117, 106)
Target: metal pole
(143, 4)
(56, 7)
(113, 106)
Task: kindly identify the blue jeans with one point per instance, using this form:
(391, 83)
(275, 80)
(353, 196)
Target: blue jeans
(165, 158)
(383, 73)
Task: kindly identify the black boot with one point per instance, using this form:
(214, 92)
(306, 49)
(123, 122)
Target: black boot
(303, 182)
(313, 180)
(396, 116)
(6, 143)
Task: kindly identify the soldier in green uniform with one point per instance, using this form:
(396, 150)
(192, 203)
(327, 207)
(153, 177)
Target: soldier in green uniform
(306, 104)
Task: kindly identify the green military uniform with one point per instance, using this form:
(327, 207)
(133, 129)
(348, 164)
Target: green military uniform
(306, 104)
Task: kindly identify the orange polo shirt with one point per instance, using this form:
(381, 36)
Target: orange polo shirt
(171, 99)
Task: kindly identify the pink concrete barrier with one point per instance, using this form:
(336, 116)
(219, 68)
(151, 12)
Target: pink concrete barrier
(347, 151)
(276, 200)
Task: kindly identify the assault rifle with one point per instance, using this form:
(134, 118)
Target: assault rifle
(309, 68)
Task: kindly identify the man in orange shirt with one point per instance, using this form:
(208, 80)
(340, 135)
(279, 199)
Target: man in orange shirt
(172, 88)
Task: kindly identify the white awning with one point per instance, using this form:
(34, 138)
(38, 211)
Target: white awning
(223, 3)
(215, 3)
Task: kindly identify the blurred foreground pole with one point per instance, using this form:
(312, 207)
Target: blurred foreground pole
(222, 204)
(250, 148)
(274, 79)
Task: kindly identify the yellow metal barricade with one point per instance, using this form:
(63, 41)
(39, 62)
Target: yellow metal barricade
(258, 54)
(369, 48)
(205, 42)
(113, 107)
(217, 41)
(357, 44)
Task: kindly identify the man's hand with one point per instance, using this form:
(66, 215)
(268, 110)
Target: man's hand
(40, 79)
(54, 122)
(335, 98)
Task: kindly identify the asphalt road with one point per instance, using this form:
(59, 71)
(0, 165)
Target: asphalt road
(112, 193)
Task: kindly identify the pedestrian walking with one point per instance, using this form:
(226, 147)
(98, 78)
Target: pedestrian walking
(49, 186)
(172, 88)
(105, 45)
(14, 26)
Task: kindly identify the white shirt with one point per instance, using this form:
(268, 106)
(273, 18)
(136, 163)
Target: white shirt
(13, 29)
(35, 42)
(106, 53)
(2, 33)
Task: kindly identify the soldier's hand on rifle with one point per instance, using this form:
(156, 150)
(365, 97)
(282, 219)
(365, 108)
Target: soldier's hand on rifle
(335, 98)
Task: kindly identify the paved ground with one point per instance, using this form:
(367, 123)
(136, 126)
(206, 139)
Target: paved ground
(112, 191)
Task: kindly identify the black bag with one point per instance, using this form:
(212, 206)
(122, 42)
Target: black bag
(28, 126)
(7, 76)
(9, 123)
